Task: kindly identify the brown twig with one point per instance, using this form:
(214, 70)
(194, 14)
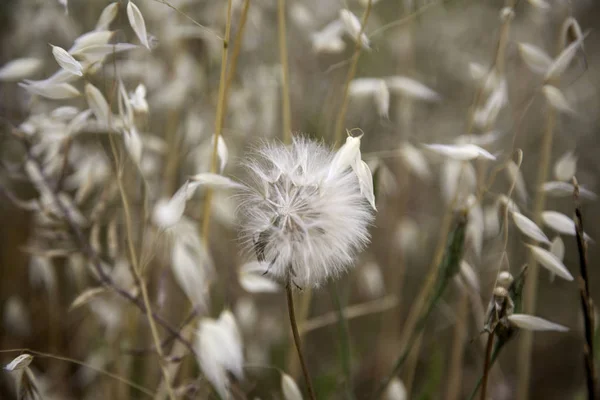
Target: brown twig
(587, 304)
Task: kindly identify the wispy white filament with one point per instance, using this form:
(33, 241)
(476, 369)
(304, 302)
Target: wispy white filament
(305, 216)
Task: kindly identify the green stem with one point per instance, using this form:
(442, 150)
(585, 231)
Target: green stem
(344, 337)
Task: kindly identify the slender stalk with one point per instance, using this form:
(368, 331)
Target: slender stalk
(136, 271)
(297, 342)
(411, 363)
(237, 47)
(460, 334)
(587, 304)
(339, 124)
(487, 365)
(285, 72)
(344, 336)
(530, 296)
(219, 118)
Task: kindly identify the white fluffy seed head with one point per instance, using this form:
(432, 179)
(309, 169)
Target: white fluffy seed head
(303, 217)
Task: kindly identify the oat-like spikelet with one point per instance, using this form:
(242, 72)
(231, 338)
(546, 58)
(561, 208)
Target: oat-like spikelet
(306, 214)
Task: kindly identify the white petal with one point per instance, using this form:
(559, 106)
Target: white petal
(565, 167)
(460, 152)
(541, 4)
(345, 157)
(133, 144)
(535, 58)
(167, 212)
(107, 16)
(529, 228)
(66, 61)
(252, 280)
(459, 179)
(20, 68)
(561, 223)
(486, 116)
(365, 180)
(328, 40)
(469, 275)
(93, 38)
(557, 247)
(396, 390)
(371, 283)
(97, 103)
(414, 159)
(55, 91)
(352, 26)
(532, 323)
(515, 175)
(562, 189)
(136, 20)
(189, 266)
(97, 52)
(557, 100)
(550, 262)
(364, 86)
(222, 152)
(214, 181)
(20, 362)
(561, 63)
(289, 388)
(382, 99)
(411, 88)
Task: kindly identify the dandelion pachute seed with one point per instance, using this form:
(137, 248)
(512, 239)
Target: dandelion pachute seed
(306, 209)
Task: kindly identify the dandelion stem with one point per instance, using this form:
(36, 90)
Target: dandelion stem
(339, 124)
(587, 305)
(487, 364)
(285, 71)
(294, 326)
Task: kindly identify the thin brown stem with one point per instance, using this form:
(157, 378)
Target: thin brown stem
(297, 342)
(486, 365)
(219, 118)
(286, 112)
(587, 304)
(135, 268)
(458, 350)
(339, 124)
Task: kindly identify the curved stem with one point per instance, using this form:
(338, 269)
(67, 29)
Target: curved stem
(339, 124)
(294, 326)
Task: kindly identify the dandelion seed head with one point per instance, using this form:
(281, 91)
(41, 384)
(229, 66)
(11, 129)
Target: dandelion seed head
(304, 217)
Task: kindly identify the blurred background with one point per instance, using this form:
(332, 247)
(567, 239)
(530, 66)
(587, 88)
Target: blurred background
(441, 62)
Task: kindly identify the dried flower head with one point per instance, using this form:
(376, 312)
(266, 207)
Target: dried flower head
(306, 215)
